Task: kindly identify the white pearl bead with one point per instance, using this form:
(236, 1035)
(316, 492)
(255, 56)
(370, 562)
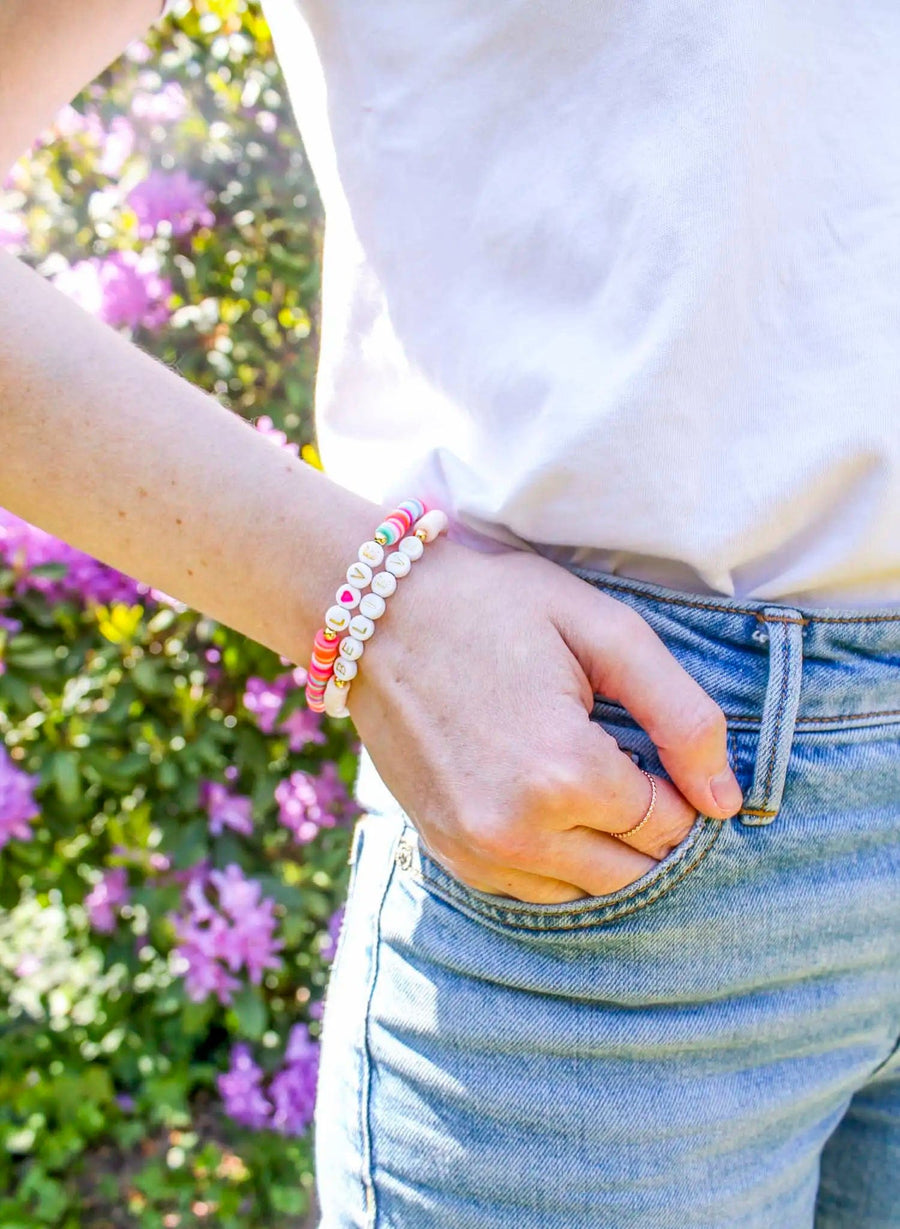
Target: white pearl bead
(371, 553)
(372, 605)
(344, 669)
(361, 627)
(384, 584)
(412, 547)
(335, 700)
(433, 522)
(351, 648)
(359, 574)
(398, 563)
(337, 618)
(348, 596)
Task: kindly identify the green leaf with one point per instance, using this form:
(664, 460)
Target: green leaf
(65, 773)
(250, 1013)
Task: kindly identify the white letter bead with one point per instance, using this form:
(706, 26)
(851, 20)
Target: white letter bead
(397, 563)
(335, 700)
(347, 596)
(412, 547)
(351, 648)
(384, 584)
(433, 523)
(359, 574)
(344, 669)
(337, 618)
(361, 627)
(372, 605)
(371, 553)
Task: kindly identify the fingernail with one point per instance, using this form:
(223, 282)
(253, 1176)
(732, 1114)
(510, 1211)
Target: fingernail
(726, 790)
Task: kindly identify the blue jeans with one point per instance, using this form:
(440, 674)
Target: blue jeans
(714, 1045)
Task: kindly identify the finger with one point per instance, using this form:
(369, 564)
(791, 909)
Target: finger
(508, 882)
(625, 659)
(597, 863)
(623, 794)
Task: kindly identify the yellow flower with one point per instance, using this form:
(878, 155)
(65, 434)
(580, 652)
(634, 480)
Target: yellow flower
(118, 623)
(310, 456)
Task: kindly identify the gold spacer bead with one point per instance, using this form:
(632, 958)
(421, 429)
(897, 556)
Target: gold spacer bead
(421, 535)
(380, 539)
(329, 634)
(340, 682)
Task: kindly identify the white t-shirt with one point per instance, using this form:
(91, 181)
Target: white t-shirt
(616, 280)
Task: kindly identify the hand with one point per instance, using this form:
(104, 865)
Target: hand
(474, 701)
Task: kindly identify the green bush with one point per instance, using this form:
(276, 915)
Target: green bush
(174, 823)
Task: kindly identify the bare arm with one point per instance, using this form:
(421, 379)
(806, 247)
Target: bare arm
(49, 49)
(114, 453)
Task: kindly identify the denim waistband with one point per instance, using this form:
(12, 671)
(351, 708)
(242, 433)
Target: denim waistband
(846, 662)
(773, 669)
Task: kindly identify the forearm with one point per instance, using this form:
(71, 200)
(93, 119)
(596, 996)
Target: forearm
(111, 451)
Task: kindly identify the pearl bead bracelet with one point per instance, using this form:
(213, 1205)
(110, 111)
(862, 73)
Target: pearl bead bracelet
(334, 660)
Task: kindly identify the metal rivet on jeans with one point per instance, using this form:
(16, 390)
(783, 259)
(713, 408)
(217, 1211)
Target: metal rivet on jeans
(404, 855)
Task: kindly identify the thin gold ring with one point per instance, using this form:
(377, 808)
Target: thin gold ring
(647, 813)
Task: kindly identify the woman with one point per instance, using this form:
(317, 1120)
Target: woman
(614, 286)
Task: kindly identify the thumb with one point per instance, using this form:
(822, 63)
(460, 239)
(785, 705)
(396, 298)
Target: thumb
(624, 659)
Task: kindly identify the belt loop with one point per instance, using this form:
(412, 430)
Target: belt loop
(784, 628)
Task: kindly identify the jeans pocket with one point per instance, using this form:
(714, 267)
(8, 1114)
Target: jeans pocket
(657, 882)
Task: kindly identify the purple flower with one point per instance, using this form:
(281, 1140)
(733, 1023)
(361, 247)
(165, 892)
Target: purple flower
(303, 727)
(122, 289)
(241, 1090)
(226, 810)
(307, 803)
(329, 944)
(264, 699)
(174, 198)
(293, 1089)
(107, 896)
(215, 942)
(24, 547)
(17, 806)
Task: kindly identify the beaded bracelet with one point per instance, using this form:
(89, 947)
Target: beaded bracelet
(333, 663)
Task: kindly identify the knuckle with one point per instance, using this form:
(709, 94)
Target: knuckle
(705, 723)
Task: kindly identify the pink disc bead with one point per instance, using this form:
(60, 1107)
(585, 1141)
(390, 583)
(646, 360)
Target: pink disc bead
(414, 507)
(404, 517)
(322, 644)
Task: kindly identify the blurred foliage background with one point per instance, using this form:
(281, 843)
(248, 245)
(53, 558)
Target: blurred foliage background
(174, 823)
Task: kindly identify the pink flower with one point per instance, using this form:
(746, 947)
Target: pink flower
(117, 143)
(105, 898)
(17, 806)
(163, 106)
(123, 289)
(13, 232)
(174, 198)
(266, 427)
(227, 810)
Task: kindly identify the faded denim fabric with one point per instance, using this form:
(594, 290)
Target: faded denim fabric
(714, 1045)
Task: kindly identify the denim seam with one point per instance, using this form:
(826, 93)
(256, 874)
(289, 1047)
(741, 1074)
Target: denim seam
(590, 915)
(743, 610)
(365, 1108)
